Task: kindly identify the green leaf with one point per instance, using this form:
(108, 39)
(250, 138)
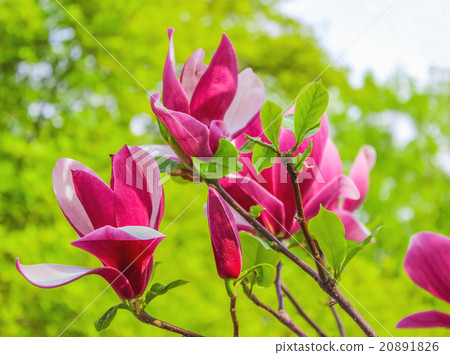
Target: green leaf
(309, 107)
(359, 248)
(329, 231)
(288, 122)
(300, 159)
(224, 162)
(166, 165)
(256, 210)
(158, 289)
(263, 158)
(256, 251)
(271, 118)
(247, 147)
(264, 275)
(105, 320)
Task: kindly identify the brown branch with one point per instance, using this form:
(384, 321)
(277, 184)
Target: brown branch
(282, 317)
(302, 222)
(146, 318)
(301, 311)
(278, 290)
(339, 323)
(326, 285)
(234, 316)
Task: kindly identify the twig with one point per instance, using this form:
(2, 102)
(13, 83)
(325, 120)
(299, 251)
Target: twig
(339, 323)
(302, 222)
(280, 316)
(327, 285)
(301, 311)
(278, 290)
(234, 316)
(146, 318)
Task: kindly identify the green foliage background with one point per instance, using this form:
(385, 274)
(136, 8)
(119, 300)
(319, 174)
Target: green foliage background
(93, 102)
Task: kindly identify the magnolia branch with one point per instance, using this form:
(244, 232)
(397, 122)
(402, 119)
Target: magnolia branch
(234, 316)
(327, 285)
(281, 316)
(301, 311)
(146, 318)
(339, 323)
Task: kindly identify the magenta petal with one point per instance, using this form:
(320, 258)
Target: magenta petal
(137, 188)
(67, 197)
(364, 162)
(148, 172)
(247, 192)
(193, 70)
(55, 275)
(328, 196)
(247, 102)
(217, 87)
(127, 249)
(174, 97)
(224, 237)
(217, 130)
(427, 319)
(427, 263)
(190, 134)
(96, 197)
(354, 229)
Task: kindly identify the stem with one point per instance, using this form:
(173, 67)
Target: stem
(234, 316)
(301, 311)
(327, 285)
(340, 325)
(282, 317)
(302, 222)
(146, 318)
(278, 290)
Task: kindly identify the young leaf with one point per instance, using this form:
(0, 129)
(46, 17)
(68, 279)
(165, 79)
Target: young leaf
(224, 162)
(256, 210)
(288, 122)
(359, 248)
(167, 165)
(158, 289)
(271, 118)
(105, 320)
(329, 231)
(309, 107)
(256, 251)
(262, 158)
(300, 159)
(264, 275)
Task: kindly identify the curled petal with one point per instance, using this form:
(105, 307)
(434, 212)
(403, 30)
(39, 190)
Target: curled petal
(192, 71)
(217, 87)
(190, 134)
(427, 263)
(354, 229)
(341, 186)
(174, 97)
(217, 130)
(55, 275)
(224, 237)
(427, 319)
(246, 104)
(66, 196)
(364, 162)
(128, 249)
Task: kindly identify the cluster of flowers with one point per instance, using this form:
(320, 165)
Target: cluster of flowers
(119, 223)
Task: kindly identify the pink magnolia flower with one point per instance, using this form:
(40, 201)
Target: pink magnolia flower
(125, 252)
(427, 263)
(135, 197)
(224, 236)
(323, 184)
(207, 102)
(113, 223)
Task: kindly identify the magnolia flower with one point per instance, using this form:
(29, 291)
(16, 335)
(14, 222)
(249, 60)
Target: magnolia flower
(224, 236)
(126, 253)
(427, 263)
(113, 223)
(324, 184)
(135, 197)
(207, 103)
